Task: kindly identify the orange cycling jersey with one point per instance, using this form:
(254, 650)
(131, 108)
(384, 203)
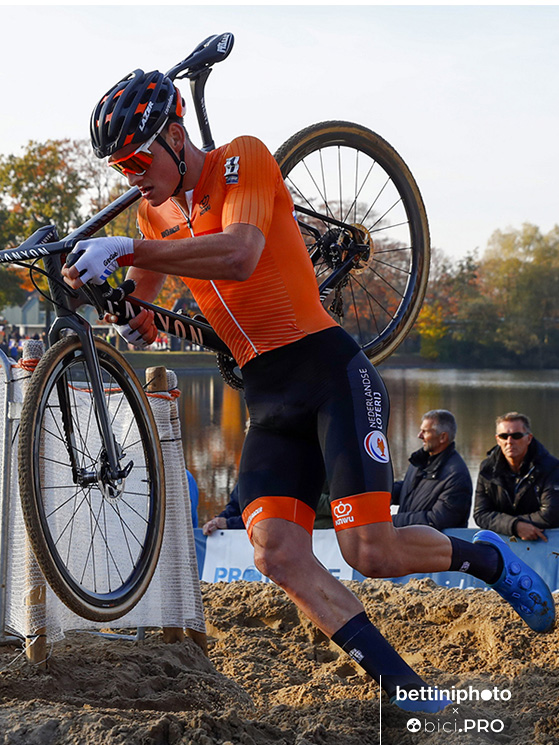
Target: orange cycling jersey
(279, 303)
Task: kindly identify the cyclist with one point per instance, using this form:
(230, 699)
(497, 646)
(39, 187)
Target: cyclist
(224, 221)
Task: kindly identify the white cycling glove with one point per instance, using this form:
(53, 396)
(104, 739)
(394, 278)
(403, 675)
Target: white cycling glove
(100, 257)
(132, 336)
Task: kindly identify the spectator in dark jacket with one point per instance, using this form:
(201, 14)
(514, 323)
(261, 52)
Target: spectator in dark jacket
(517, 489)
(229, 518)
(437, 487)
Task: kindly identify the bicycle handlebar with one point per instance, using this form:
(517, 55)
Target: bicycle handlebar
(35, 250)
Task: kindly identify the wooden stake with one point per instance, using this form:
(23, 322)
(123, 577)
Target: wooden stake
(36, 642)
(156, 379)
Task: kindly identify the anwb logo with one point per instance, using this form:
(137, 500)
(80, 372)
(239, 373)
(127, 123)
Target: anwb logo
(342, 509)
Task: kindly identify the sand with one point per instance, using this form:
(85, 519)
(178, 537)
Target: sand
(271, 677)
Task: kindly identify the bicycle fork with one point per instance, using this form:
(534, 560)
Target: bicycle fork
(67, 320)
(112, 451)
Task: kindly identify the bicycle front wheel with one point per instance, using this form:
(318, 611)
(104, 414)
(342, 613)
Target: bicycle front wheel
(349, 173)
(96, 539)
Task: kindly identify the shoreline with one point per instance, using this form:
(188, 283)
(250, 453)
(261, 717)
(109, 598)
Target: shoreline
(205, 362)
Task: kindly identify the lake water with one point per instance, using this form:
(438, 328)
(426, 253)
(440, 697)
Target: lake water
(213, 418)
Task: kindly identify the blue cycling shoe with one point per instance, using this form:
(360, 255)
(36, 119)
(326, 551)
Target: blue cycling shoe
(521, 586)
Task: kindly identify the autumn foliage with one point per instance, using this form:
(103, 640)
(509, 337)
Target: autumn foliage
(498, 309)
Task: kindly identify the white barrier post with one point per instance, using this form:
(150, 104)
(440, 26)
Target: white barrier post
(157, 387)
(7, 415)
(156, 382)
(199, 637)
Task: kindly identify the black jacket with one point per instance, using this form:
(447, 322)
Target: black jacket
(232, 511)
(502, 499)
(435, 491)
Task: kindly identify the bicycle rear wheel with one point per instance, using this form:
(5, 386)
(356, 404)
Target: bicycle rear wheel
(96, 540)
(347, 172)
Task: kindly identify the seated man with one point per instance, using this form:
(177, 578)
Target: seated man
(517, 489)
(437, 487)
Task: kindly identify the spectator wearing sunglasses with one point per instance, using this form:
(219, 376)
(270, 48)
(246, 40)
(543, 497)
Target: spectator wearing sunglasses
(517, 490)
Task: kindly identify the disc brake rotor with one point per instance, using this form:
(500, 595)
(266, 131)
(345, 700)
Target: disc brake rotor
(365, 260)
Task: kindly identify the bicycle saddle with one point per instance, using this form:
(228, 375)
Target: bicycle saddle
(211, 50)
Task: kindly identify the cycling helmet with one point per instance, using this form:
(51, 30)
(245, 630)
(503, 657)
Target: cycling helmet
(133, 110)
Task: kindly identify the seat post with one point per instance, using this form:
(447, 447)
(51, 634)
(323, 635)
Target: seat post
(197, 85)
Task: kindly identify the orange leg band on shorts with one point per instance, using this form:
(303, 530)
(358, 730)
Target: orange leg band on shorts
(361, 509)
(286, 508)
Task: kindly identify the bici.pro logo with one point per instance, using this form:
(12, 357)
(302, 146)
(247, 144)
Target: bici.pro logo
(376, 446)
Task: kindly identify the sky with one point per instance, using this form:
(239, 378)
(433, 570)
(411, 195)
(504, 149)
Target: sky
(468, 95)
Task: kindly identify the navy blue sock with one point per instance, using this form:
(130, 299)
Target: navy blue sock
(367, 646)
(478, 559)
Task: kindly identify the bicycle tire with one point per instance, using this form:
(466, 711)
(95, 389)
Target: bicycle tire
(352, 174)
(96, 546)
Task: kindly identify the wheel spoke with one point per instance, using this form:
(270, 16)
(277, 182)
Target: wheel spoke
(67, 501)
(407, 272)
(353, 205)
(131, 506)
(123, 524)
(60, 534)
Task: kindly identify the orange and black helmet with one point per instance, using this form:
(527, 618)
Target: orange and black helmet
(133, 110)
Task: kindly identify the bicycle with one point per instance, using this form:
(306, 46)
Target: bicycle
(91, 472)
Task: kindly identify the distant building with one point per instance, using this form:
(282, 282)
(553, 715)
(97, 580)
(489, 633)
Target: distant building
(30, 318)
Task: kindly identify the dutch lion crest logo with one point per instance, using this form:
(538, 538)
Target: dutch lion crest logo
(376, 446)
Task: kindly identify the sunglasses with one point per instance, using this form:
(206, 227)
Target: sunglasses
(514, 435)
(139, 161)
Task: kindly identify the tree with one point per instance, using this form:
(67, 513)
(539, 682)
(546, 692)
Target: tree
(458, 323)
(12, 289)
(520, 273)
(502, 309)
(437, 312)
(103, 185)
(38, 188)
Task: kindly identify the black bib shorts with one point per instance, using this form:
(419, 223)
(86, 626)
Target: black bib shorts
(318, 411)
